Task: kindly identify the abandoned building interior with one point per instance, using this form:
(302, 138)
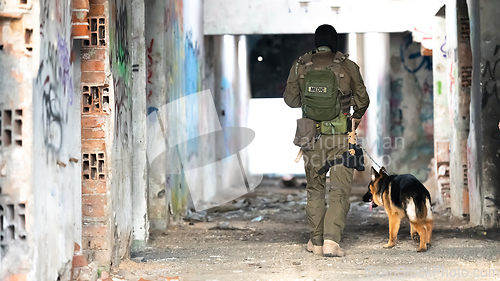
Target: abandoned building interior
(149, 140)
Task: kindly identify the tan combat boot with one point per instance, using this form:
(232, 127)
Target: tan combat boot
(317, 250)
(332, 249)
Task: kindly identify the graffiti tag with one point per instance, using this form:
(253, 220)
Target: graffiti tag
(490, 86)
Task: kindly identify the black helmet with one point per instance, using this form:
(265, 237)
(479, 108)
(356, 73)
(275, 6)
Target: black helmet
(326, 35)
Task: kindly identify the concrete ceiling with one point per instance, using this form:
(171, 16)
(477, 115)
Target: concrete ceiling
(303, 16)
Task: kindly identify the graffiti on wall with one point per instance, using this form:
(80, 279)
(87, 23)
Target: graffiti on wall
(183, 76)
(489, 79)
(54, 79)
(150, 69)
(411, 108)
(120, 64)
(411, 57)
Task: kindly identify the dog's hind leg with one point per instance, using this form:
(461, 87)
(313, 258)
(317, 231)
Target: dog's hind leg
(428, 226)
(414, 234)
(419, 226)
(394, 222)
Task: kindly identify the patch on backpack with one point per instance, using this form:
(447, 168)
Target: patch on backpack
(321, 90)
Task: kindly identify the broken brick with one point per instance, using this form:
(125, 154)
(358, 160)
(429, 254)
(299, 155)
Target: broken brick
(79, 261)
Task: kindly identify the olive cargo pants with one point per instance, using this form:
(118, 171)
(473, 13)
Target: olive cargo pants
(327, 224)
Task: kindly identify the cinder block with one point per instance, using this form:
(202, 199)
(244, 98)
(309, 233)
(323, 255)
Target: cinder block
(92, 121)
(93, 77)
(92, 133)
(93, 211)
(96, 10)
(94, 230)
(93, 187)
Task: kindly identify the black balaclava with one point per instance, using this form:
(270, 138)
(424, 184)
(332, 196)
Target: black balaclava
(326, 35)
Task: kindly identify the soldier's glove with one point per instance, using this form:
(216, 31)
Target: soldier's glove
(356, 122)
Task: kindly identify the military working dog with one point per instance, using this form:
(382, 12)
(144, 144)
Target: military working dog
(402, 196)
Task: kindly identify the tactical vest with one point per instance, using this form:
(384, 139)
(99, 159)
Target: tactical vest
(321, 91)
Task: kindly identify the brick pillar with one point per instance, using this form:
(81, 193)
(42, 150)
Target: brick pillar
(96, 212)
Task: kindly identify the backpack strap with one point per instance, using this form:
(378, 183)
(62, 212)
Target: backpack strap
(305, 60)
(337, 65)
(344, 98)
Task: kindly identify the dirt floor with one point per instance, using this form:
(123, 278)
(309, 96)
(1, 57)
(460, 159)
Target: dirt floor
(263, 235)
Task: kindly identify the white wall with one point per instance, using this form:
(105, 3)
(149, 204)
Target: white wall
(289, 16)
(272, 151)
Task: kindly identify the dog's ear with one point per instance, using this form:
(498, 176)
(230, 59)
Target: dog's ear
(383, 170)
(374, 174)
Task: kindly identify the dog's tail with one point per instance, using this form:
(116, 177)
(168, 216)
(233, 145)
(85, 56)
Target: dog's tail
(428, 209)
(419, 209)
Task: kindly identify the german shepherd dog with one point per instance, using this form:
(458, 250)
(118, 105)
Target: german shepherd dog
(402, 196)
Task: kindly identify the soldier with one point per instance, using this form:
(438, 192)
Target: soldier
(325, 84)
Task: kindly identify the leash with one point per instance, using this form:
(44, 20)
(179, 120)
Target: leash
(373, 161)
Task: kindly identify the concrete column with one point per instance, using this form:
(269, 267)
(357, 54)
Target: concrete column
(140, 227)
(155, 98)
(355, 49)
(484, 144)
(376, 77)
(441, 111)
(121, 141)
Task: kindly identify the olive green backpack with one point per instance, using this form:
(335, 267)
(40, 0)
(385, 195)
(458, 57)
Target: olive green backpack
(320, 93)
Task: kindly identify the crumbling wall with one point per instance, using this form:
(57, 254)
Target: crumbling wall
(411, 108)
(18, 63)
